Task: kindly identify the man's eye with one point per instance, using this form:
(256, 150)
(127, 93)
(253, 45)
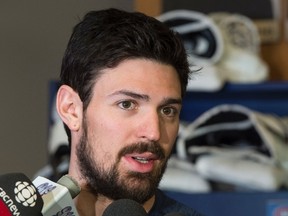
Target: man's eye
(127, 105)
(169, 111)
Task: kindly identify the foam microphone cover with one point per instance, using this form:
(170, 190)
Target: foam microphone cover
(68, 182)
(124, 207)
(18, 196)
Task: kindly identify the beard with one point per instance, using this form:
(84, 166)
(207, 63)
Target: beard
(110, 182)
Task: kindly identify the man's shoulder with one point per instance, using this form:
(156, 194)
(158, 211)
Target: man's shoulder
(164, 205)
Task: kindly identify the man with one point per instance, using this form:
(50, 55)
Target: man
(123, 78)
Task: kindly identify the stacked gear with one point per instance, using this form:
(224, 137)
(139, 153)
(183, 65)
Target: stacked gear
(204, 44)
(201, 37)
(231, 144)
(241, 62)
(181, 175)
(224, 47)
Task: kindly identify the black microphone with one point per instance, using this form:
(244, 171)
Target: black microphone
(18, 196)
(124, 207)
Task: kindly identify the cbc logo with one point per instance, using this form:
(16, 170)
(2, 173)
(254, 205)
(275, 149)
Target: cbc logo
(25, 193)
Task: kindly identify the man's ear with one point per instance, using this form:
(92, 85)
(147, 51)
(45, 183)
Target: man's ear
(69, 107)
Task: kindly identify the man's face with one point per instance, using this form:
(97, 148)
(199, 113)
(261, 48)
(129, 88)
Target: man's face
(129, 129)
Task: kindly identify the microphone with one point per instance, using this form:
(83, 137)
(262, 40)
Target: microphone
(18, 196)
(124, 207)
(58, 197)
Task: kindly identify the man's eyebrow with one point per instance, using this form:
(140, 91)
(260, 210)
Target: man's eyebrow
(131, 94)
(135, 95)
(167, 101)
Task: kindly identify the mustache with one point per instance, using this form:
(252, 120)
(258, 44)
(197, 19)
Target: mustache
(142, 147)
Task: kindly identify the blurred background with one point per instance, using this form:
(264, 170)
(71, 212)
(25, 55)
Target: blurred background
(33, 36)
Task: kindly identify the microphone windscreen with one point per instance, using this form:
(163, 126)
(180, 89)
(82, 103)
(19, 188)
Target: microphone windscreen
(68, 182)
(18, 196)
(125, 207)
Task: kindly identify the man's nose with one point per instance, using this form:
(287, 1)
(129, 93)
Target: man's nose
(150, 126)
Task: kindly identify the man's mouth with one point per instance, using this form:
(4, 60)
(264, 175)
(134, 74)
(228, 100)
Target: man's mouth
(142, 157)
(143, 163)
(141, 160)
